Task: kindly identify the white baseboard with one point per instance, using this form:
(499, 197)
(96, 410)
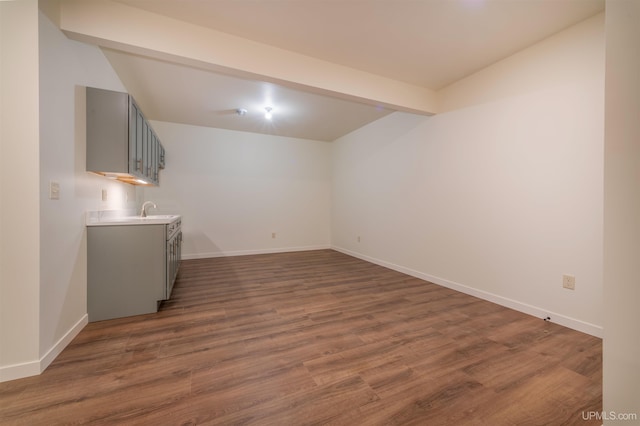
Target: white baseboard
(535, 311)
(189, 256)
(33, 368)
(63, 342)
(19, 371)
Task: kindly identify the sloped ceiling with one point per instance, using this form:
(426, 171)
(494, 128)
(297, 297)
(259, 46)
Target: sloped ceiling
(428, 43)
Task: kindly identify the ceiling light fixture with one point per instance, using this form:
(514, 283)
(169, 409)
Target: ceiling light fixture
(241, 111)
(267, 114)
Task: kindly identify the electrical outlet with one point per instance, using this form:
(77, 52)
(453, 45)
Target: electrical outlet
(105, 195)
(273, 235)
(569, 282)
(358, 238)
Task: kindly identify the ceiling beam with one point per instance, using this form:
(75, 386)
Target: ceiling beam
(117, 26)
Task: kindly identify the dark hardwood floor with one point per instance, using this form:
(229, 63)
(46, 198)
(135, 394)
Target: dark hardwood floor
(315, 338)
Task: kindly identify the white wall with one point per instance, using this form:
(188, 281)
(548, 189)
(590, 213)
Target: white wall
(234, 189)
(500, 196)
(19, 227)
(46, 307)
(65, 68)
(621, 351)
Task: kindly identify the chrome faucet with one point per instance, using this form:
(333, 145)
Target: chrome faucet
(143, 211)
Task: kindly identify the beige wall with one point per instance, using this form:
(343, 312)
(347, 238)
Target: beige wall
(234, 189)
(621, 352)
(42, 241)
(500, 196)
(65, 67)
(19, 188)
(547, 65)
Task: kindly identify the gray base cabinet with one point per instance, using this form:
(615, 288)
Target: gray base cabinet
(127, 270)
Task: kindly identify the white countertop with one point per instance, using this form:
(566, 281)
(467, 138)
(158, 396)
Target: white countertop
(111, 218)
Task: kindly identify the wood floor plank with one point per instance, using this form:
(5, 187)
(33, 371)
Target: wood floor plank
(454, 399)
(314, 337)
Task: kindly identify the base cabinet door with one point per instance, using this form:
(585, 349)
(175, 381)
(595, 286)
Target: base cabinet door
(126, 270)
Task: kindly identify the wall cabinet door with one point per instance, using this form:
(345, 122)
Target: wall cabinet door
(156, 160)
(145, 150)
(161, 161)
(136, 129)
(133, 134)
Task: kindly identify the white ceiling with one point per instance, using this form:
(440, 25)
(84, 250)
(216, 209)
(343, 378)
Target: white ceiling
(429, 43)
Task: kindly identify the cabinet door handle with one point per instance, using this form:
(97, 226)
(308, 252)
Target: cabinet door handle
(139, 164)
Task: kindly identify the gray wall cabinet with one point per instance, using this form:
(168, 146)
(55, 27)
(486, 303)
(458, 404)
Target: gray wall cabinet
(121, 143)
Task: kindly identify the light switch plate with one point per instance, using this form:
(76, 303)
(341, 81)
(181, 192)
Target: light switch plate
(54, 190)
